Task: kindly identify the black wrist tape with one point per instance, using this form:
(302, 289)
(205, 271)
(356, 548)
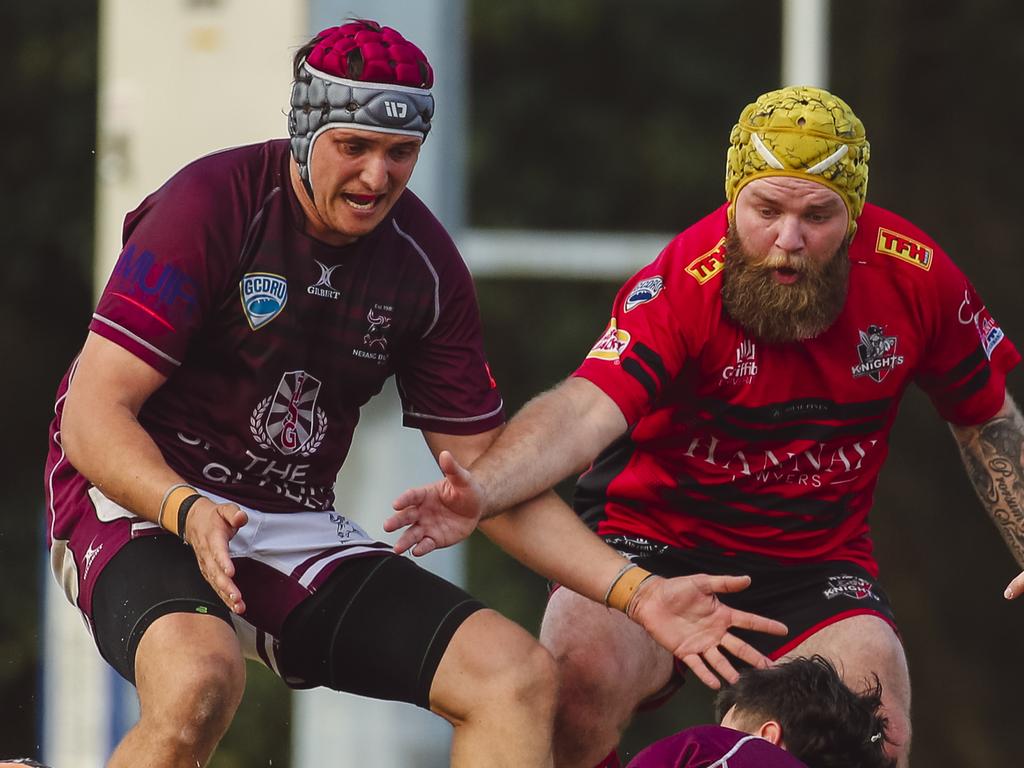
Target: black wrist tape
(183, 510)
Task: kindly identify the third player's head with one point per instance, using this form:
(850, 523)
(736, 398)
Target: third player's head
(796, 178)
(804, 706)
(360, 109)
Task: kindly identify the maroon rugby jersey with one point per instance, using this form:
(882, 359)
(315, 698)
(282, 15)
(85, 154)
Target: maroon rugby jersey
(272, 340)
(712, 746)
(740, 446)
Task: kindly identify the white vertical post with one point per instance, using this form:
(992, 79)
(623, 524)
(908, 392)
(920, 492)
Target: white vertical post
(169, 76)
(329, 727)
(805, 42)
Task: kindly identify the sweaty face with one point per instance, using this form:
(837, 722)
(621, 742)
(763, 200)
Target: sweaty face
(357, 176)
(786, 266)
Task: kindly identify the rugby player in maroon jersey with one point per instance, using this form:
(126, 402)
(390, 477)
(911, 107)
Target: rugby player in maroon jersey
(735, 415)
(263, 295)
(796, 714)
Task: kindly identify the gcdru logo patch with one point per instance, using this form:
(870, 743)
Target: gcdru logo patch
(289, 419)
(263, 297)
(877, 353)
(644, 291)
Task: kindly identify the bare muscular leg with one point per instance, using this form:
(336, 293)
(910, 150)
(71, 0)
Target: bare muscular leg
(607, 666)
(190, 676)
(496, 685)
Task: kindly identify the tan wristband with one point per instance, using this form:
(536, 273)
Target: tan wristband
(175, 495)
(624, 586)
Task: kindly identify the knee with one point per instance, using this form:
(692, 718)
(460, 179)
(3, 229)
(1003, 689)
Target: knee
(494, 665)
(589, 689)
(197, 705)
(524, 675)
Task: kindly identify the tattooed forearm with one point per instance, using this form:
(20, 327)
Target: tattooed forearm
(992, 453)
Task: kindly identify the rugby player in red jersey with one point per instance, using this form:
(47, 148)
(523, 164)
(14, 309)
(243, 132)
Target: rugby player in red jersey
(263, 295)
(735, 415)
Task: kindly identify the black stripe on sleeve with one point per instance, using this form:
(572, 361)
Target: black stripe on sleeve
(653, 360)
(634, 369)
(974, 384)
(961, 369)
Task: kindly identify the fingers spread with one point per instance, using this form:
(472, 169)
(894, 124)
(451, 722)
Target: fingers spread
(696, 664)
(425, 546)
(406, 540)
(403, 517)
(728, 583)
(409, 498)
(752, 621)
(744, 651)
(721, 665)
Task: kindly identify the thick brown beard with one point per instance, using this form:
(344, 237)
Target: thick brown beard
(774, 312)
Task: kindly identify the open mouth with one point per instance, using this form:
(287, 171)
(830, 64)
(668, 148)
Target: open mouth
(361, 202)
(786, 275)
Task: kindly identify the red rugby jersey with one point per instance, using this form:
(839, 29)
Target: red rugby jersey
(741, 446)
(272, 340)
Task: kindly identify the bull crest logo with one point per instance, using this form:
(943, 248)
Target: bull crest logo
(376, 334)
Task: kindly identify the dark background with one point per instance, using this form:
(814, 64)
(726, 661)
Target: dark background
(593, 115)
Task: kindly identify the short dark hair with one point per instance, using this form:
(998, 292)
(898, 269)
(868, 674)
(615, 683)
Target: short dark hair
(824, 723)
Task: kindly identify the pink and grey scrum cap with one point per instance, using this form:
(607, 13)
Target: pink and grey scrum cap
(359, 75)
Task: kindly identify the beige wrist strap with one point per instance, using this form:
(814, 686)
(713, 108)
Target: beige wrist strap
(175, 495)
(624, 586)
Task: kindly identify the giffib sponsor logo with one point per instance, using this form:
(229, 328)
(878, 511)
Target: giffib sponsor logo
(744, 369)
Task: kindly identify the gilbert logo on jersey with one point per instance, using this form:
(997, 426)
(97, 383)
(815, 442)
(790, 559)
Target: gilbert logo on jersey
(877, 353)
(323, 287)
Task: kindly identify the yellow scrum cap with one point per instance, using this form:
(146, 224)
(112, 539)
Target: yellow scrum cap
(803, 132)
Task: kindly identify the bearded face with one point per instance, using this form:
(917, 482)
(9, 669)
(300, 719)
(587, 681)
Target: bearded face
(782, 297)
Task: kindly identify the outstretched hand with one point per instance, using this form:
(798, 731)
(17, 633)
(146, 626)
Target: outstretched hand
(440, 514)
(208, 529)
(685, 616)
